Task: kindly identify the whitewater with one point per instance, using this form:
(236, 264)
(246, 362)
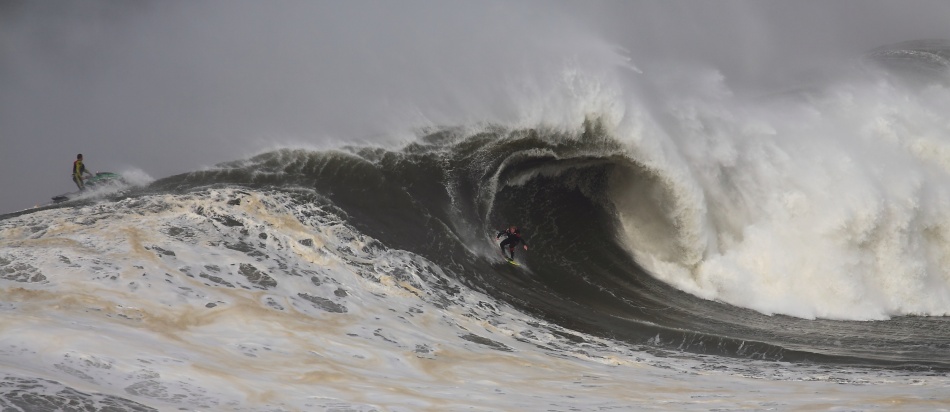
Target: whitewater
(229, 299)
(695, 245)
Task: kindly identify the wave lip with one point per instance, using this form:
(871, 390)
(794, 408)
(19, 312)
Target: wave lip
(928, 59)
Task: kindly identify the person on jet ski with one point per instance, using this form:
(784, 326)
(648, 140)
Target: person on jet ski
(78, 169)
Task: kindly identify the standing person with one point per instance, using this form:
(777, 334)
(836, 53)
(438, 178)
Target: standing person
(512, 239)
(78, 170)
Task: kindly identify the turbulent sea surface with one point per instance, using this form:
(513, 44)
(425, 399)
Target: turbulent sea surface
(788, 253)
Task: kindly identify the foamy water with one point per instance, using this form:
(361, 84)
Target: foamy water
(244, 300)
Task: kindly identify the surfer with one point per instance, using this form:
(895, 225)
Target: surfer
(512, 239)
(78, 170)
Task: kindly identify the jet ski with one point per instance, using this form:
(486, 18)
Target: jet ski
(97, 183)
(104, 179)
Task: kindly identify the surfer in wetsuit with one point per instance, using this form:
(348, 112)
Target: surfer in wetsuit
(78, 170)
(512, 239)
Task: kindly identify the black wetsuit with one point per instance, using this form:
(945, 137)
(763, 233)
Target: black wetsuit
(512, 239)
(78, 170)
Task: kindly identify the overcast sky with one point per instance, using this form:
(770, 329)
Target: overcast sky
(168, 87)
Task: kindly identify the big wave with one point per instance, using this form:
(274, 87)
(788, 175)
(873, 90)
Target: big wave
(821, 205)
(618, 235)
(678, 213)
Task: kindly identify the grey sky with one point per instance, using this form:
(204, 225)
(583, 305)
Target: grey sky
(171, 86)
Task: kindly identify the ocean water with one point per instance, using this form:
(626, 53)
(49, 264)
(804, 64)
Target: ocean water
(696, 249)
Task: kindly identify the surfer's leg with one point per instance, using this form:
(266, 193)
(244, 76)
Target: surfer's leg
(511, 244)
(511, 249)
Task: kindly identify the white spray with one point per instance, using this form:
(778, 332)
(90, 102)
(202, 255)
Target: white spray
(827, 204)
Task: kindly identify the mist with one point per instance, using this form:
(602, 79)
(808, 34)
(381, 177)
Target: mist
(170, 87)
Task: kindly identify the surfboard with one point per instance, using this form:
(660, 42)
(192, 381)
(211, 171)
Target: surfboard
(513, 262)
